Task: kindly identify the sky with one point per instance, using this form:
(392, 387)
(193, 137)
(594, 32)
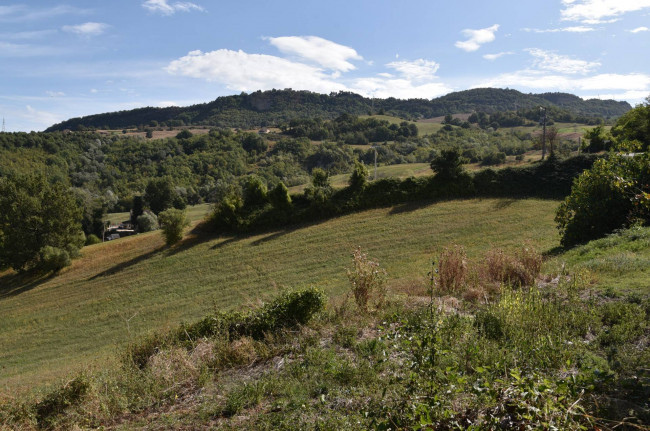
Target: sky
(60, 60)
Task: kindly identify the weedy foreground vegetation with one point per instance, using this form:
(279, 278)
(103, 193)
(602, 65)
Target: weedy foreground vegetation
(491, 338)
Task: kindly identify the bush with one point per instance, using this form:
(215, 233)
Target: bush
(56, 402)
(519, 270)
(147, 222)
(367, 280)
(279, 197)
(92, 239)
(53, 259)
(613, 194)
(288, 310)
(173, 222)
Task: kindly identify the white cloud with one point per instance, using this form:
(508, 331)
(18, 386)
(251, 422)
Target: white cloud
(476, 38)
(399, 88)
(55, 93)
(326, 53)
(493, 57)
(41, 118)
(20, 13)
(240, 71)
(24, 50)
(633, 84)
(87, 29)
(418, 70)
(574, 29)
(27, 35)
(166, 104)
(599, 11)
(639, 29)
(547, 60)
(166, 8)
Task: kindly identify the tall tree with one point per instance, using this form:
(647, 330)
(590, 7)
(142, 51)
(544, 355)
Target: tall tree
(39, 224)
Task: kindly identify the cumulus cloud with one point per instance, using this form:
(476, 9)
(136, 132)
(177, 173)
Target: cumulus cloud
(550, 61)
(599, 11)
(476, 38)
(241, 71)
(87, 29)
(574, 29)
(633, 83)
(418, 70)
(319, 70)
(323, 52)
(400, 88)
(493, 57)
(165, 8)
(639, 29)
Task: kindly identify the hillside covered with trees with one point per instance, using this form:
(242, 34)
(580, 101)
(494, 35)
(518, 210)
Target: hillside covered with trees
(278, 106)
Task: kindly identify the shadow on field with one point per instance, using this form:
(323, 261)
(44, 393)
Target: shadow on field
(124, 265)
(504, 203)
(271, 237)
(14, 284)
(409, 207)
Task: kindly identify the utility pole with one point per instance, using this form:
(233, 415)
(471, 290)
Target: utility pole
(543, 132)
(375, 148)
(3, 124)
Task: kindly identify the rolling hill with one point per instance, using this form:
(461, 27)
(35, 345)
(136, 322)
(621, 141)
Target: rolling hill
(277, 106)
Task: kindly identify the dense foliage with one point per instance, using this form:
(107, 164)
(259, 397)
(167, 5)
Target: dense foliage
(277, 106)
(613, 194)
(39, 224)
(549, 179)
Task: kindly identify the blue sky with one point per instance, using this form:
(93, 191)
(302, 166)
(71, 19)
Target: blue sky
(75, 58)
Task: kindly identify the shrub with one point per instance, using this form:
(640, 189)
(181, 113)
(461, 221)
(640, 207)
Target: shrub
(56, 402)
(613, 194)
(147, 222)
(367, 280)
(279, 197)
(448, 165)
(53, 259)
(173, 222)
(359, 176)
(92, 239)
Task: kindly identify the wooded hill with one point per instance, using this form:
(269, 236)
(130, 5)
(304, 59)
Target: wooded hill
(277, 106)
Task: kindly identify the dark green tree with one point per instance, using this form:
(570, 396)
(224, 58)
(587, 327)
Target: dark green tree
(255, 192)
(160, 194)
(137, 208)
(172, 222)
(254, 143)
(448, 165)
(279, 197)
(634, 125)
(359, 176)
(40, 225)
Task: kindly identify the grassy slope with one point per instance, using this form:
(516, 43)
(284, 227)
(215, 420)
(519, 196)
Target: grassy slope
(121, 289)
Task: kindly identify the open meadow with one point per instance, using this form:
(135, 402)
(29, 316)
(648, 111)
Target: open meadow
(120, 290)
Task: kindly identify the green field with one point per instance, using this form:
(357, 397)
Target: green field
(194, 213)
(122, 289)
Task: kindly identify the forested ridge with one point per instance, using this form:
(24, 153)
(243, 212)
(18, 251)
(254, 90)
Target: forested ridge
(263, 108)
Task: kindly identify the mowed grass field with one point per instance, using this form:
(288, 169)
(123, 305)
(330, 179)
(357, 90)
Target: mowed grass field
(120, 290)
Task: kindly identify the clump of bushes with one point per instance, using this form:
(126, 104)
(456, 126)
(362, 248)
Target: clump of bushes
(288, 310)
(54, 404)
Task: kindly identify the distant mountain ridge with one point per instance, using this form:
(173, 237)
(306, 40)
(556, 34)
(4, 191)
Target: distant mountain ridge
(276, 106)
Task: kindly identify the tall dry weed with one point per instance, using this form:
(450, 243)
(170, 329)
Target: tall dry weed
(367, 280)
(452, 270)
